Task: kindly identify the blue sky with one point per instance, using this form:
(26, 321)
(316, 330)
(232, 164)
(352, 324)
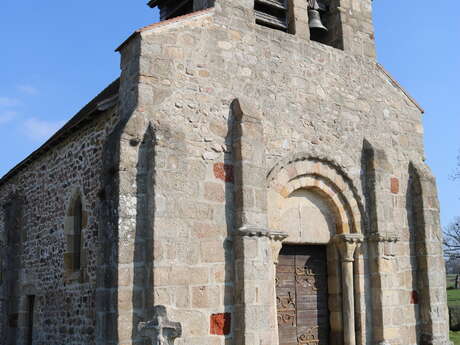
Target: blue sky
(57, 55)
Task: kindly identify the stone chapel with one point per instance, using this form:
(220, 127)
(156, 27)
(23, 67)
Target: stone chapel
(254, 177)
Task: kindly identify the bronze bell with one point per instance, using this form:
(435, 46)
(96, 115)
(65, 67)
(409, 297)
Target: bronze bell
(314, 20)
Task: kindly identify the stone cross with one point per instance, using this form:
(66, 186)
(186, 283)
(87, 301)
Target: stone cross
(160, 330)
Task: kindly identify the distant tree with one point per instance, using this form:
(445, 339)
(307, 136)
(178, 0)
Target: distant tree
(452, 231)
(456, 174)
(452, 239)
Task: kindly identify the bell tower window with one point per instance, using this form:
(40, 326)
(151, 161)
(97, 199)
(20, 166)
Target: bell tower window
(274, 14)
(325, 22)
(175, 8)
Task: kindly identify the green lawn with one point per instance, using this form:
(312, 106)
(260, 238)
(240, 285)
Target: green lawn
(453, 298)
(455, 337)
(450, 280)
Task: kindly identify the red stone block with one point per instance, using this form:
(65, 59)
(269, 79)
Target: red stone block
(414, 297)
(223, 172)
(221, 324)
(394, 185)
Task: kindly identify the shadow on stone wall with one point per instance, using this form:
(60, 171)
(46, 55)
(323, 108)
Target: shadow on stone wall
(425, 327)
(142, 298)
(228, 176)
(14, 240)
(411, 202)
(108, 257)
(368, 225)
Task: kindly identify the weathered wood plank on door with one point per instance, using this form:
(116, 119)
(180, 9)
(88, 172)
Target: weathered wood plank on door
(302, 297)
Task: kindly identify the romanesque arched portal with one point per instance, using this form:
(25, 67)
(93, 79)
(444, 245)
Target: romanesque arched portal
(318, 271)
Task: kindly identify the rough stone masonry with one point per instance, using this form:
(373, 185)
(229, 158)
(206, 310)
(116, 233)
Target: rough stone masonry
(245, 181)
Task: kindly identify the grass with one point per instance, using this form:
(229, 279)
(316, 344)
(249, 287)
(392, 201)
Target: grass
(455, 337)
(451, 280)
(453, 298)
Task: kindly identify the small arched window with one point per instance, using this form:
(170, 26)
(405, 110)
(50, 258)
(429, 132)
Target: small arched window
(75, 222)
(77, 228)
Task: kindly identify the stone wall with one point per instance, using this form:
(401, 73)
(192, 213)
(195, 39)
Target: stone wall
(212, 107)
(315, 99)
(64, 309)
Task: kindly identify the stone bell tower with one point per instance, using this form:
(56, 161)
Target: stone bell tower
(343, 24)
(280, 187)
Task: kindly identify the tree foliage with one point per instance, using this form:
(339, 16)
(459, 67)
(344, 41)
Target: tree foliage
(452, 239)
(456, 174)
(452, 231)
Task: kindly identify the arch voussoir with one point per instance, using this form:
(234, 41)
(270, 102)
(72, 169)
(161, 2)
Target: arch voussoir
(322, 176)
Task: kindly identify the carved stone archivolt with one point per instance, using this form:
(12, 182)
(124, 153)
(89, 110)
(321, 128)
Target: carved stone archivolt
(293, 172)
(322, 176)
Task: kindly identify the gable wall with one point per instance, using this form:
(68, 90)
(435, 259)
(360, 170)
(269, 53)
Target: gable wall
(314, 99)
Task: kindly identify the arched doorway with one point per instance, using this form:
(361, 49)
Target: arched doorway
(316, 270)
(304, 305)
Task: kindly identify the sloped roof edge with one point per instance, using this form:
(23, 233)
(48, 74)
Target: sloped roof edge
(193, 15)
(102, 102)
(397, 85)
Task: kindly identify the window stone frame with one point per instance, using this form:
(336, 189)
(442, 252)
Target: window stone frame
(73, 273)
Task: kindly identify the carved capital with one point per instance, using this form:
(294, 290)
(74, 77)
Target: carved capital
(254, 231)
(347, 244)
(160, 330)
(386, 237)
(385, 243)
(276, 248)
(276, 237)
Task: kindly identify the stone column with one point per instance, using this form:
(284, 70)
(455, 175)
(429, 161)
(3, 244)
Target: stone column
(347, 244)
(256, 247)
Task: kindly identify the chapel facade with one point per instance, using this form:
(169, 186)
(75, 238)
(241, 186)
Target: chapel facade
(254, 177)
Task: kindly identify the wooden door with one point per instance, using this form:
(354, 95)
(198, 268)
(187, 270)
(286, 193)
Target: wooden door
(302, 297)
